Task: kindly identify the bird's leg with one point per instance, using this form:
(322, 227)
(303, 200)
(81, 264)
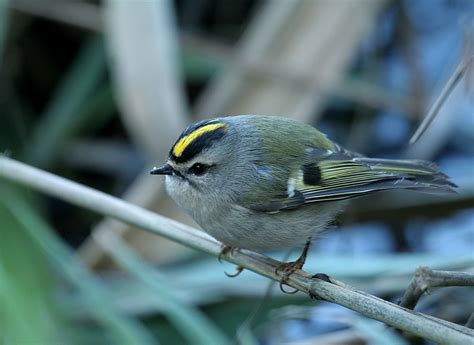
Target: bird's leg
(226, 249)
(288, 268)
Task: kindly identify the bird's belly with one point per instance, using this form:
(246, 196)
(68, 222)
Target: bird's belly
(242, 228)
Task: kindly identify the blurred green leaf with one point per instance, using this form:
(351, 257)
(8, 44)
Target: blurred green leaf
(192, 324)
(122, 329)
(3, 25)
(98, 109)
(63, 113)
(199, 68)
(28, 313)
(376, 332)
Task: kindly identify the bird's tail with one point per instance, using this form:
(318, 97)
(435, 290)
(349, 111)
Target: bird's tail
(418, 175)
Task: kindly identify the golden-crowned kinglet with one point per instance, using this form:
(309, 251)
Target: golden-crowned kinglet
(264, 182)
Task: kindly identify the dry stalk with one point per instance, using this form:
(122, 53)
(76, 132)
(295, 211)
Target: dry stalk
(426, 278)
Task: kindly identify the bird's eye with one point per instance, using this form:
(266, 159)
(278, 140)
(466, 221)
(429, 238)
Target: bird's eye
(198, 169)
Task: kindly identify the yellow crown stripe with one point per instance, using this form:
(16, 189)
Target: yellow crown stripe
(184, 142)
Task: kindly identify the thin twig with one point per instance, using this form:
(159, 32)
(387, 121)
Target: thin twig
(425, 278)
(143, 40)
(448, 88)
(422, 325)
(80, 14)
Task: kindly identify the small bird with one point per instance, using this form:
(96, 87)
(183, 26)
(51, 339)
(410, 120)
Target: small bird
(265, 182)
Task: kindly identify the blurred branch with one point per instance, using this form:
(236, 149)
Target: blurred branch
(425, 278)
(305, 37)
(192, 324)
(351, 89)
(262, 30)
(142, 42)
(77, 13)
(138, 193)
(354, 90)
(371, 331)
(123, 329)
(464, 69)
(419, 324)
(468, 53)
(450, 102)
(201, 281)
(455, 78)
(110, 157)
(343, 337)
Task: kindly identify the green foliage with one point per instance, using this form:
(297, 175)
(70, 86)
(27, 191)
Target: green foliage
(35, 260)
(28, 312)
(193, 325)
(26, 292)
(3, 24)
(64, 114)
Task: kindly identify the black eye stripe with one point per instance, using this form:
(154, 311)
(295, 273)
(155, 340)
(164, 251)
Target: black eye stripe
(198, 169)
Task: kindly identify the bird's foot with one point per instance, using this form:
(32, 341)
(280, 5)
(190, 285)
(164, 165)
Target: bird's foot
(229, 249)
(322, 276)
(286, 270)
(225, 250)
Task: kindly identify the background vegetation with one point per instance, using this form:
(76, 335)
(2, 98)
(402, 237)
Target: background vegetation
(97, 91)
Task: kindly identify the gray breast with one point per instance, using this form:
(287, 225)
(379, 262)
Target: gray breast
(243, 228)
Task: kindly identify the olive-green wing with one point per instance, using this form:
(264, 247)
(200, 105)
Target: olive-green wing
(338, 175)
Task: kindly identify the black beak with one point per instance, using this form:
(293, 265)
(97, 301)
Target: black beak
(164, 170)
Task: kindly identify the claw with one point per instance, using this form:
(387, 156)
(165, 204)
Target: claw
(289, 268)
(225, 249)
(287, 292)
(238, 270)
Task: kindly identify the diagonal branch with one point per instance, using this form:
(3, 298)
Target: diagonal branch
(416, 323)
(457, 75)
(426, 278)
